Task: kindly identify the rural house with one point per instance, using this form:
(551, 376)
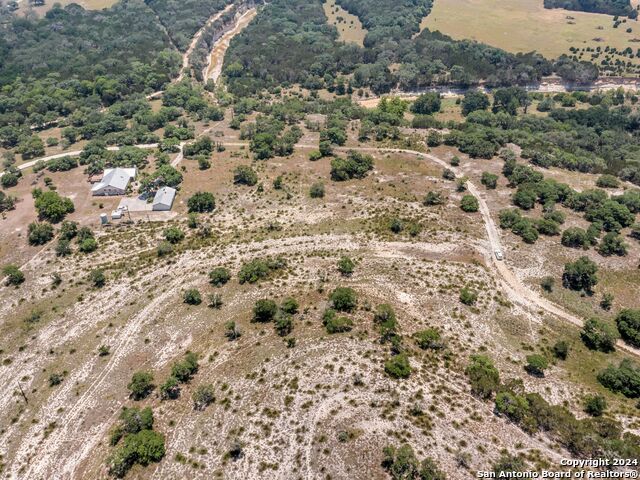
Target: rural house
(114, 181)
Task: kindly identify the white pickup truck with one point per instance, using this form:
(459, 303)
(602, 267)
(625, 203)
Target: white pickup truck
(499, 255)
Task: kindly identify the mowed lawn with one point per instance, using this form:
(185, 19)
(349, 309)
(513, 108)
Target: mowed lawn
(525, 25)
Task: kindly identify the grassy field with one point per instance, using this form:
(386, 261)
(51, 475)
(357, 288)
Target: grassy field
(86, 4)
(349, 26)
(525, 25)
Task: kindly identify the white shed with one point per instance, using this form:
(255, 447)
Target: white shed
(164, 199)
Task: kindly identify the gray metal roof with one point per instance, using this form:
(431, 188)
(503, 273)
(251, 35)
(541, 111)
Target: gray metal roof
(164, 196)
(115, 178)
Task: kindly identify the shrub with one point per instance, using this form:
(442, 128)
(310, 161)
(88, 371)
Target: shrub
(628, 322)
(489, 180)
(468, 296)
(97, 278)
(201, 202)
(203, 396)
(39, 233)
(580, 275)
(88, 245)
(192, 297)
(433, 198)
(607, 181)
(356, 165)
(595, 405)
(398, 366)
(219, 276)
(141, 385)
(170, 389)
(245, 175)
(346, 266)
(561, 350)
(290, 306)
(283, 323)
(612, 244)
(343, 299)
(448, 174)
(547, 284)
(317, 190)
(575, 237)
(469, 204)
(231, 331)
(335, 324)
(164, 248)
(599, 335)
(142, 448)
(185, 368)
(483, 376)
(14, 274)
(536, 365)
(173, 235)
(258, 269)
(264, 311)
(68, 230)
(623, 379)
(402, 464)
(429, 339)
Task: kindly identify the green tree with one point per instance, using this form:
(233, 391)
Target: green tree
(469, 204)
(398, 366)
(245, 175)
(264, 310)
(599, 335)
(536, 365)
(39, 233)
(483, 376)
(468, 296)
(51, 206)
(473, 101)
(201, 202)
(219, 276)
(628, 322)
(426, 104)
(343, 299)
(612, 244)
(141, 385)
(580, 275)
(489, 180)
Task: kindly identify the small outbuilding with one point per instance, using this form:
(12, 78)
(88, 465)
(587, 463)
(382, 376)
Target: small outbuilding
(114, 181)
(163, 200)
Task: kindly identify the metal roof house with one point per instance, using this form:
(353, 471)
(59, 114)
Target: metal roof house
(114, 181)
(163, 199)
